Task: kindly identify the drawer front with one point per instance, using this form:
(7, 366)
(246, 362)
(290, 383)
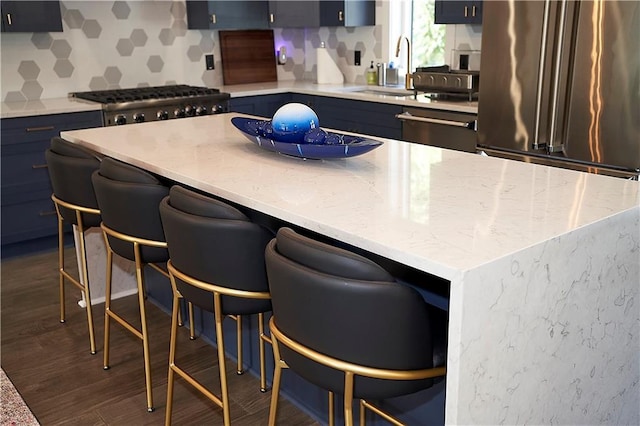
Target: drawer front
(44, 127)
(26, 220)
(24, 167)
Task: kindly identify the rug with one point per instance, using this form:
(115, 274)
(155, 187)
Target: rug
(13, 409)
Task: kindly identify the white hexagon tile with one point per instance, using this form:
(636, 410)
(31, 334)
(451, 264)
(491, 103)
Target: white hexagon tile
(116, 44)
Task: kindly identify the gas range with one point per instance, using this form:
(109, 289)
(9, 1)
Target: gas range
(140, 104)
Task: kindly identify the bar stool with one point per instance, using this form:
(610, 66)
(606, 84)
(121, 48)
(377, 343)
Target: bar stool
(344, 324)
(128, 198)
(70, 167)
(216, 263)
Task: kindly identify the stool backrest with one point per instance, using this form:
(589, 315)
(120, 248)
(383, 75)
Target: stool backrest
(70, 167)
(345, 306)
(129, 198)
(214, 242)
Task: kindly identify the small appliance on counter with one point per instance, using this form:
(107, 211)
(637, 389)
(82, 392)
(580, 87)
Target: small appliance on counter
(458, 81)
(443, 82)
(140, 104)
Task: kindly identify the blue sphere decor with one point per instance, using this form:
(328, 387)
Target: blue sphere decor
(291, 121)
(317, 144)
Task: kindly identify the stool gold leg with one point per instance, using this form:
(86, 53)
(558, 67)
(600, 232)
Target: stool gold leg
(61, 265)
(239, 368)
(261, 343)
(107, 304)
(221, 359)
(172, 358)
(143, 320)
(275, 387)
(192, 324)
(85, 280)
(348, 398)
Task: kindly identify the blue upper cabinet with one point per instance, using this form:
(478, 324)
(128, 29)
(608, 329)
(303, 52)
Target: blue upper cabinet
(294, 14)
(227, 15)
(260, 14)
(458, 12)
(31, 16)
(347, 13)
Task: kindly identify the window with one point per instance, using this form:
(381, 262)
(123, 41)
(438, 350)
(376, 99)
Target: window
(414, 19)
(427, 38)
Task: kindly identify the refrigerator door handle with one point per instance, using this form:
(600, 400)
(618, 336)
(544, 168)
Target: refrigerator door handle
(552, 146)
(536, 145)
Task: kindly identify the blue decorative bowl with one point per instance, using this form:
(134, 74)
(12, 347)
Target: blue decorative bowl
(291, 121)
(334, 145)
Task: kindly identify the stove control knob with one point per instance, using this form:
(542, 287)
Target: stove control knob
(178, 113)
(201, 110)
(138, 117)
(218, 109)
(189, 111)
(162, 115)
(120, 119)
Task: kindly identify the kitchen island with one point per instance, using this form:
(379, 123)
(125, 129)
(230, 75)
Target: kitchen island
(543, 264)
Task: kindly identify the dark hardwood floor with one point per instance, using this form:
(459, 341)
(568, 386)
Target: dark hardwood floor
(51, 367)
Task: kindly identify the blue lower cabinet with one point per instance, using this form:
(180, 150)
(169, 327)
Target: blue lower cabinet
(367, 118)
(262, 105)
(29, 221)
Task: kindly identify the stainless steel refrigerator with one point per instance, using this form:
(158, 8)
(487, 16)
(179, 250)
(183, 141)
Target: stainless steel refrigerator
(560, 84)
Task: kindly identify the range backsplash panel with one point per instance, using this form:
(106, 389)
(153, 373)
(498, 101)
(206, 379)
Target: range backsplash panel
(118, 44)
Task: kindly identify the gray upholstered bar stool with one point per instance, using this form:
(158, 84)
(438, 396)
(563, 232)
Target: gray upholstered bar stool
(343, 323)
(70, 168)
(216, 263)
(128, 198)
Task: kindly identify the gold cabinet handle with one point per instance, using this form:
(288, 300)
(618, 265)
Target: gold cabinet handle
(340, 16)
(213, 18)
(9, 19)
(473, 11)
(271, 18)
(39, 166)
(466, 11)
(39, 129)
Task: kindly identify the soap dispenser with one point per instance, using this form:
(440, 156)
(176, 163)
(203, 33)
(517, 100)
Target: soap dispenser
(372, 75)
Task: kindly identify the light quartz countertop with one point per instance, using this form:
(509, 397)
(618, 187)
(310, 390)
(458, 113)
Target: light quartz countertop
(388, 95)
(440, 211)
(543, 263)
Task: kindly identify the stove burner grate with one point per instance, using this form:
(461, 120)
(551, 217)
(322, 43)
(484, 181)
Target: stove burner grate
(116, 96)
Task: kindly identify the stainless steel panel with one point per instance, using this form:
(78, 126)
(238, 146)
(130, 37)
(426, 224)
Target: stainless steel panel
(562, 78)
(603, 114)
(443, 129)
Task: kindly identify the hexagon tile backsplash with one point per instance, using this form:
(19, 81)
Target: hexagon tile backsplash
(117, 44)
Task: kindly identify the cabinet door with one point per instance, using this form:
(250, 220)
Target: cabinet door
(347, 13)
(458, 12)
(294, 14)
(31, 16)
(217, 14)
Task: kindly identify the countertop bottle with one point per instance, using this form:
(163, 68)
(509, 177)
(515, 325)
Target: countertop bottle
(372, 75)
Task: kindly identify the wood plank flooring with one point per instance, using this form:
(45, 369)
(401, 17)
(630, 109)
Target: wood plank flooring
(62, 383)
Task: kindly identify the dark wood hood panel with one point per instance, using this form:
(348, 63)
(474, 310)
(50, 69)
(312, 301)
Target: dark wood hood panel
(248, 56)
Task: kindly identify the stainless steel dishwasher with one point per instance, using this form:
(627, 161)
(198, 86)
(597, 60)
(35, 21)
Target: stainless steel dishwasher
(444, 129)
